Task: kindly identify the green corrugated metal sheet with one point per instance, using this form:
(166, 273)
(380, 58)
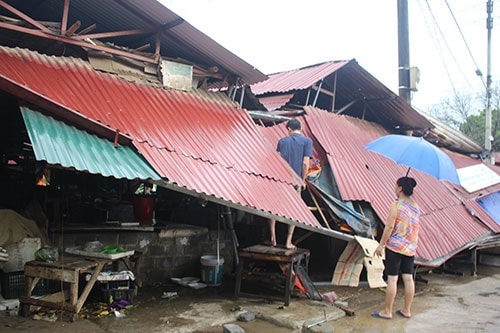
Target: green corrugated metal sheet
(58, 143)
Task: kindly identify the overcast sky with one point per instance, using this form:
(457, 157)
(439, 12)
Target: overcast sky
(280, 35)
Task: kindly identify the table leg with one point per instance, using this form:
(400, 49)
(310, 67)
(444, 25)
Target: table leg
(88, 286)
(288, 285)
(239, 274)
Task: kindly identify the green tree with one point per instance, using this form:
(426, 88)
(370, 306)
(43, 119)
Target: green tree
(454, 111)
(474, 128)
(459, 113)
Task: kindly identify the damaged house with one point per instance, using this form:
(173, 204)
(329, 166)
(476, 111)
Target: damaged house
(345, 108)
(102, 98)
(98, 108)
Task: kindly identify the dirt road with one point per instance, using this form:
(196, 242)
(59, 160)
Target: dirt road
(446, 302)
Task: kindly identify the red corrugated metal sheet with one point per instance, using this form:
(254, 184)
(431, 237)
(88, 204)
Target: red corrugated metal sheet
(179, 39)
(198, 141)
(361, 175)
(297, 79)
(373, 101)
(275, 102)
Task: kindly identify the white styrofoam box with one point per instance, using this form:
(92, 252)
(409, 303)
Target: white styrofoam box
(20, 253)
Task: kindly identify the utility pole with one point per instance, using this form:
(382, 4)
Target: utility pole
(404, 51)
(487, 134)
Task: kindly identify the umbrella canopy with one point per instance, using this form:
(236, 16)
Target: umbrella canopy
(416, 153)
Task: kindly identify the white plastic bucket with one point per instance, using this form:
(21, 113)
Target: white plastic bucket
(211, 270)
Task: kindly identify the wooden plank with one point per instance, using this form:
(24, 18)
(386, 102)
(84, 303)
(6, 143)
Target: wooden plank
(57, 297)
(267, 257)
(51, 273)
(88, 287)
(48, 304)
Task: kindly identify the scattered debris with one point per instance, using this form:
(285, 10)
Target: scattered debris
(118, 314)
(246, 316)
(232, 328)
(341, 304)
(308, 325)
(329, 297)
(46, 316)
(170, 295)
(344, 306)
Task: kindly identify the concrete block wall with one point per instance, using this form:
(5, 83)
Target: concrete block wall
(171, 252)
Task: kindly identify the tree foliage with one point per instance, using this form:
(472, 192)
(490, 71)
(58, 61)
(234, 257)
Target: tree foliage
(460, 113)
(475, 127)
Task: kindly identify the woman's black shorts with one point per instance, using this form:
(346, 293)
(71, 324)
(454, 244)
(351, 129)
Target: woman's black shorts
(396, 263)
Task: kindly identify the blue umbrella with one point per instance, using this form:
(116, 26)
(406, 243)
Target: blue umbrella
(416, 153)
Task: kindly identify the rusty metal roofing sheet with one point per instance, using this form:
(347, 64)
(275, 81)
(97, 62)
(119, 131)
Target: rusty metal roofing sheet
(198, 141)
(58, 143)
(275, 102)
(179, 39)
(361, 175)
(375, 102)
(297, 79)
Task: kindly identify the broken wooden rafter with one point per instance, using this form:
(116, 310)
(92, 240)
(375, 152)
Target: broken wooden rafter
(64, 19)
(24, 17)
(114, 34)
(345, 107)
(88, 29)
(74, 27)
(143, 47)
(72, 41)
(311, 194)
(323, 90)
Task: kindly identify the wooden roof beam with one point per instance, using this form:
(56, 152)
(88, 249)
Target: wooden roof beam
(25, 17)
(64, 18)
(72, 41)
(114, 34)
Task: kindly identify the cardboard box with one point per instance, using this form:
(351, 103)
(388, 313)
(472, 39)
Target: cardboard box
(359, 253)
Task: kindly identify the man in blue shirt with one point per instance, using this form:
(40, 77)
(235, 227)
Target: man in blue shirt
(296, 149)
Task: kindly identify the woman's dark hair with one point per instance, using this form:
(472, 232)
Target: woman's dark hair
(407, 184)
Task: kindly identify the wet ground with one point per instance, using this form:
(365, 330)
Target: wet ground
(447, 302)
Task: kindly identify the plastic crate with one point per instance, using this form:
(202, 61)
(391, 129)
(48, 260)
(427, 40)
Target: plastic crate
(112, 295)
(13, 285)
(115, 285)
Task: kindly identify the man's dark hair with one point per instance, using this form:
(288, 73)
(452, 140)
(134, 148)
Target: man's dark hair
(293, 124)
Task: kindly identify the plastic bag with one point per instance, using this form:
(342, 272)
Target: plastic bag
(47, 253)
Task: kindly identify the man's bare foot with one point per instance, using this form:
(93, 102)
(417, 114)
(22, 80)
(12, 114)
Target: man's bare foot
(290, 247)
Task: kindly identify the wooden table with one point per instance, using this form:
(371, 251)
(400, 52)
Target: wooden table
(273, 254)
(68, 271)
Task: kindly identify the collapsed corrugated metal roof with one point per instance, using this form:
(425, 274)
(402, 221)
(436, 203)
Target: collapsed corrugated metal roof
(145, 18)
(445, 136)
(448, 226)
(342, 87)
(198, 141)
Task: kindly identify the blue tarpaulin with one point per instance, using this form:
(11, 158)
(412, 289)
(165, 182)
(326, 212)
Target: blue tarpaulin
(491, 204)
(326, 188)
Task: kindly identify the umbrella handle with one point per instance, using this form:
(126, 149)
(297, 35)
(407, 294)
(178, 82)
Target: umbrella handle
(407, 172)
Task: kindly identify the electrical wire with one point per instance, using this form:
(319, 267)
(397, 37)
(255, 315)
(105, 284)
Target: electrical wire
(478, 71)
(438, 46)
(451, 54)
